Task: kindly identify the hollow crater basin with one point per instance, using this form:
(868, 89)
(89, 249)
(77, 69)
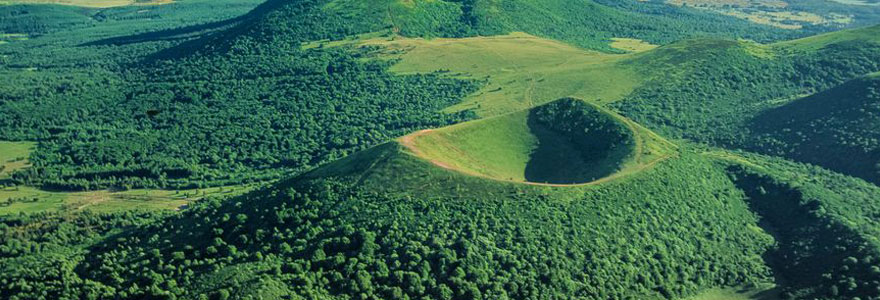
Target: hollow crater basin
(567, 141)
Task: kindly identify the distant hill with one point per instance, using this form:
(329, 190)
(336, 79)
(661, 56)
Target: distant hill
(580, 22)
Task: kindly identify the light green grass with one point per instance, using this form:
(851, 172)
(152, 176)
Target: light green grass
(496, 147)
(522, 70)
(106, 201)
(765, 292)
(13, 156)
(857, 2)
(506, 147)
(87, 3)
(817, 42)
(631, 45)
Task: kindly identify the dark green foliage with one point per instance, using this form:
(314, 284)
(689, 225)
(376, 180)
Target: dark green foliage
(41, 19)
(718, 88)
(329, 239)
(244, 120)
(215, 120)
(818, 255)
(39, 252)
(838, 129)
(600, 144)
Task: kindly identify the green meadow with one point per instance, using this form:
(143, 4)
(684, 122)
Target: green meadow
(13, 156)
(521, 70)
(24, 199)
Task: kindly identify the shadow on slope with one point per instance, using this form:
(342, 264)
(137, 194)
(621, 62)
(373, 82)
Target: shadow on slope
(576, 143)
(838, 129)
(816, 256)
(182, 33)
(565, 142)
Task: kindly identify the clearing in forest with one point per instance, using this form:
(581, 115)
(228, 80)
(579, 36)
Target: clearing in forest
(521, 70)
(631, 45)
(740, 293)
(18, 199)
(14, 156)
(89, 3)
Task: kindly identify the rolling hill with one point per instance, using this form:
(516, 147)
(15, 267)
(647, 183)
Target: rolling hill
(474, 149)
(387, 224)
(394, 226)
(842, 121)
(718, 87)
(584, 23)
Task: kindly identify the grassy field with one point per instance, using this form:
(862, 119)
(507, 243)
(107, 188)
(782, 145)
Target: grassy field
(766, 12)
(30, 200)
(522, 70)
(13, 156)
(753, 293)
(89, 3)
(631, 45)
(509, 147)
(14, 200)
(816, 42)
(497, 147)
(788, 19)
(857, 2)
(736, 3)
(6, 38)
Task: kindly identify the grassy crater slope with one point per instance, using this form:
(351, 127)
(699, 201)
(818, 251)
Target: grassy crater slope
(565, 142)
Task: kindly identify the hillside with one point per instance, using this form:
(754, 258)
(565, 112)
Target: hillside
(842, 121)
(718, 87)
(431, 149)
(392, 227)
(384, 224)
(580, 22)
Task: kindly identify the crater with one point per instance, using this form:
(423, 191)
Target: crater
(567, 141)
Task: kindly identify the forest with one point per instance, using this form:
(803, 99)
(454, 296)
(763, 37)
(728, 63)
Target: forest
(281, 97)
(722, 103)
(150, 122)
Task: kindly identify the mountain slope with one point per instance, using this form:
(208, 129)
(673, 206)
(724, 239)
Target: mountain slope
(838, 128)
(392, 226)
(716, 87)
(580, 22)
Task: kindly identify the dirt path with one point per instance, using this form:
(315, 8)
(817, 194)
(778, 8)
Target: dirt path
(408, 141)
